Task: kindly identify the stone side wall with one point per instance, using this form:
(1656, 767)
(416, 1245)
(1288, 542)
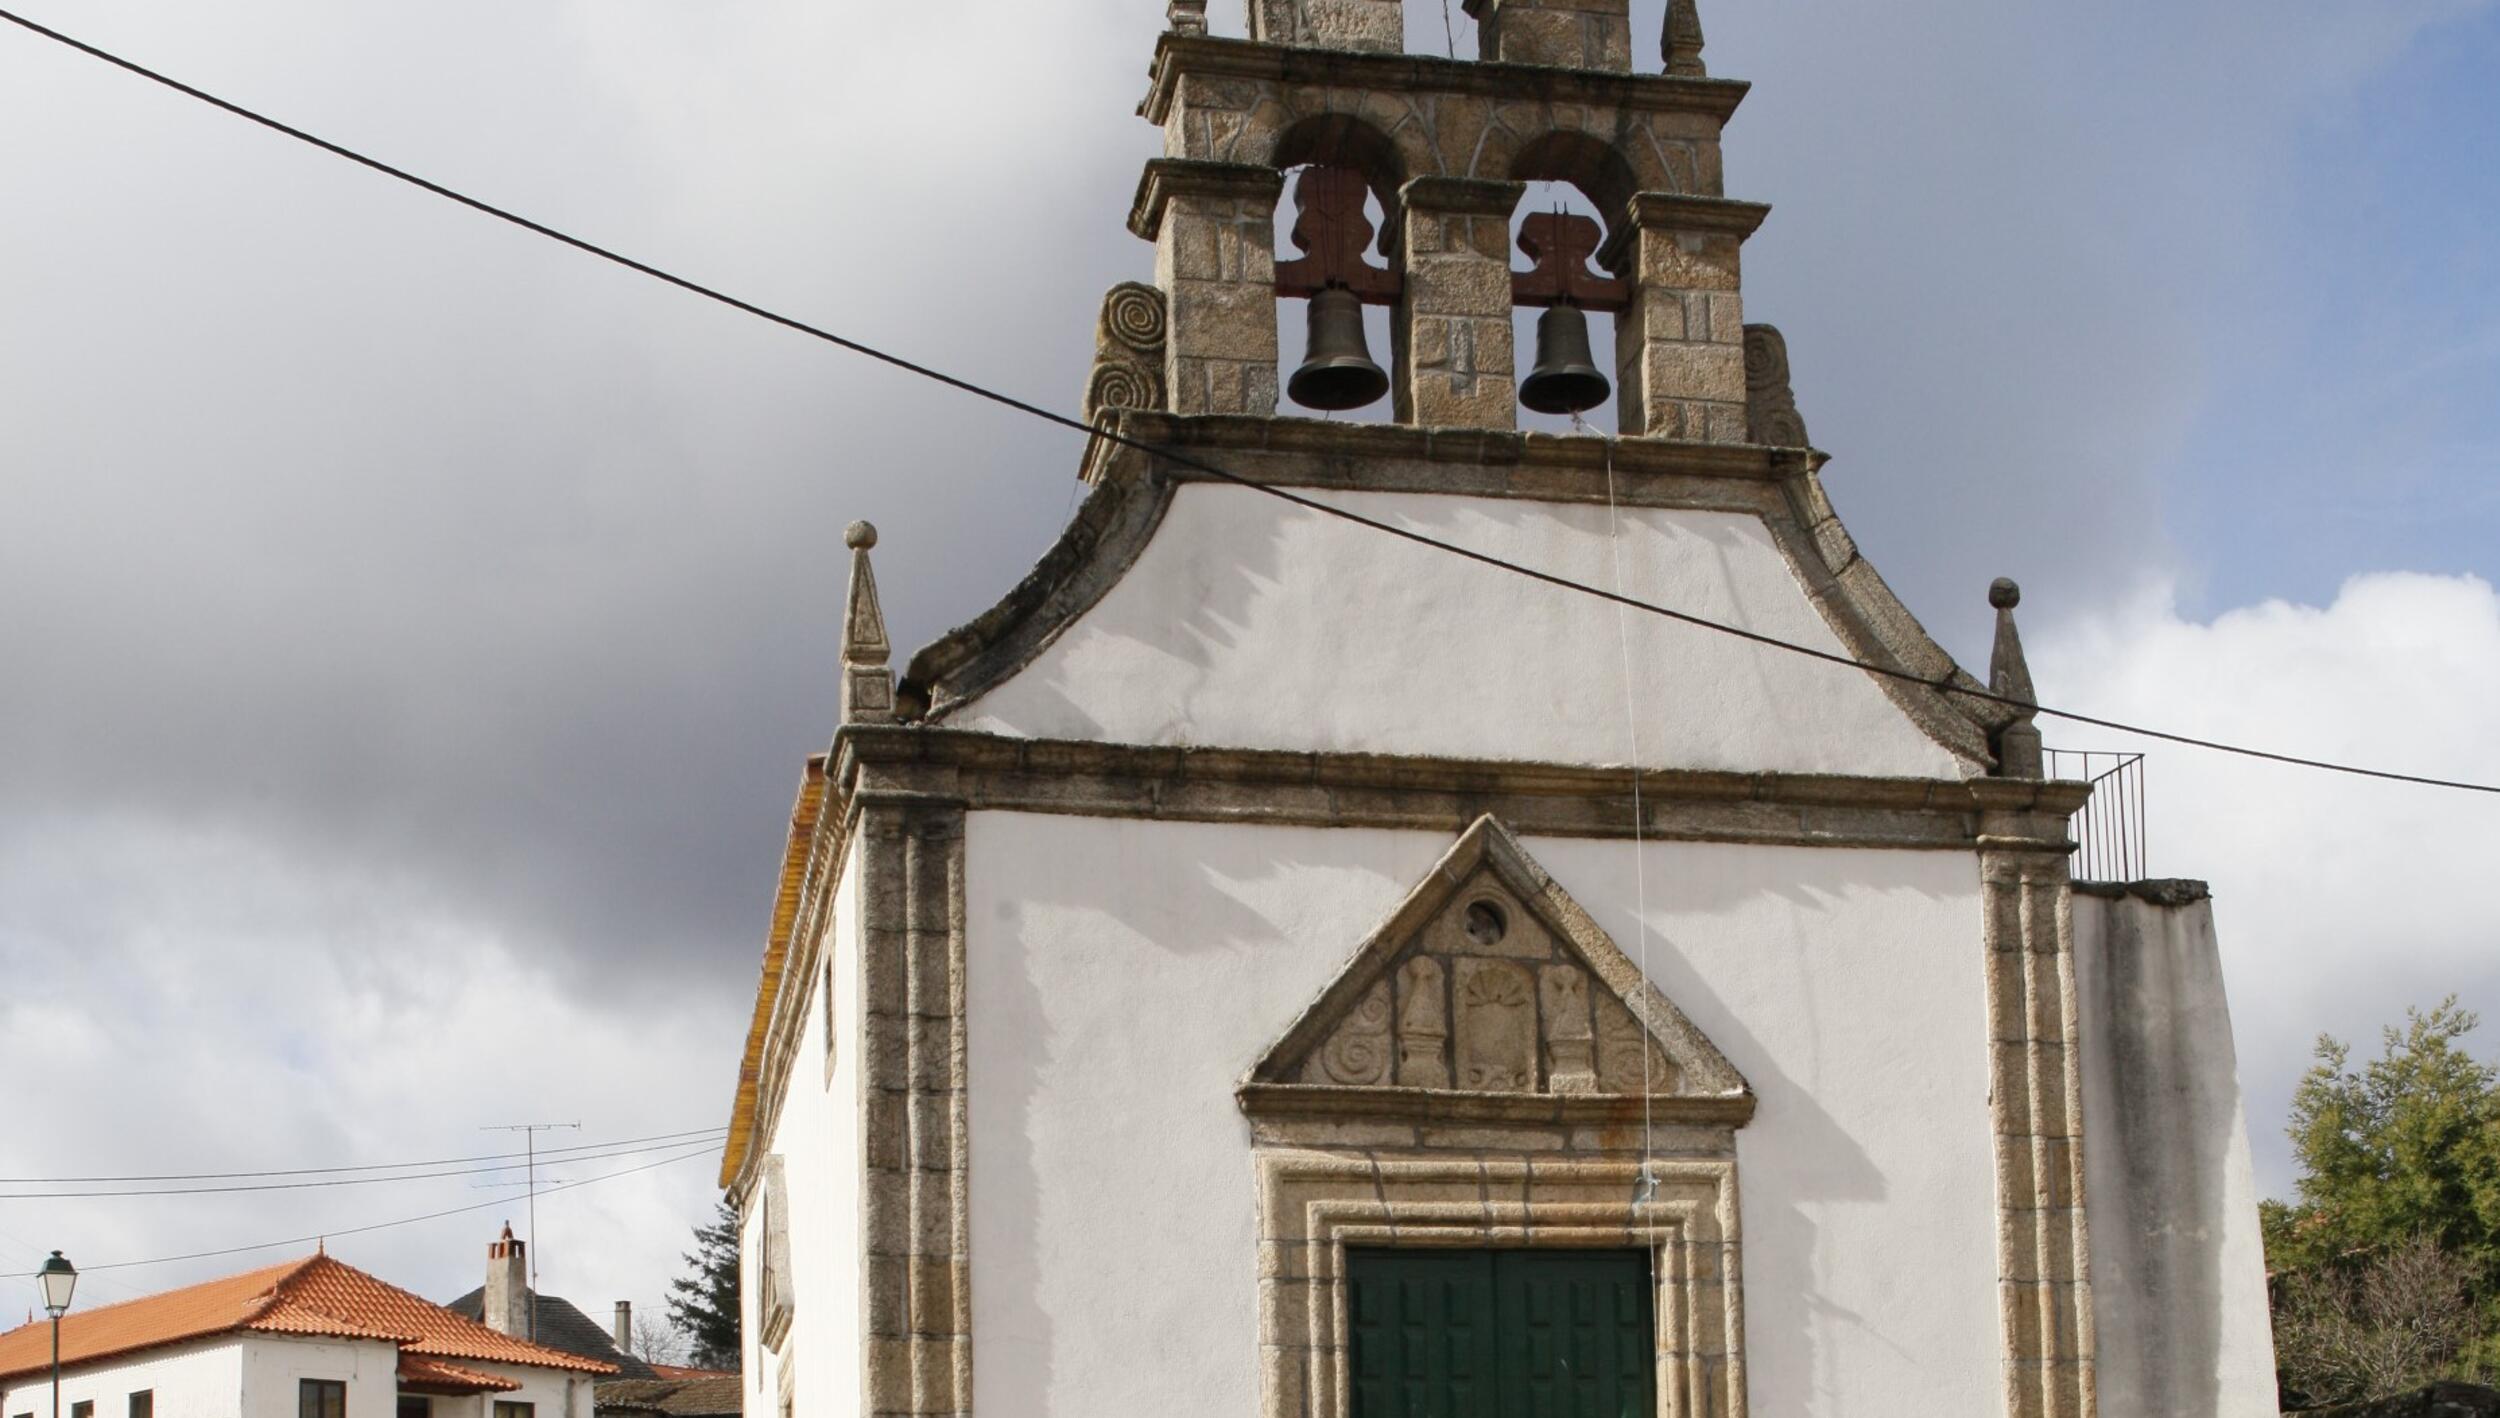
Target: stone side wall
(1425, 131)
(1363, 26)
(2178, 1267)
(1214, 229)
(1576, 34)
(1680, 348)
(1457, 367)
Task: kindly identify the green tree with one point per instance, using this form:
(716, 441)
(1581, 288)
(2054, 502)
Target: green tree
(2397, 1216)
(703, 1303)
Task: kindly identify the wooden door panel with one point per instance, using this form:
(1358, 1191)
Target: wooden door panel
(1500, 1334)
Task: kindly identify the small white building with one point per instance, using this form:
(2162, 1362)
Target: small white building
(313, 1338)
(1272, 966)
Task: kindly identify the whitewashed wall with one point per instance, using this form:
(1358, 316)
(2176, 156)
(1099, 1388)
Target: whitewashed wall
(203, 1379)
(553, 1393)
(2178, 1259)
(819, 1140)
(1124, 976)
(1251, 623)
(274, 1364)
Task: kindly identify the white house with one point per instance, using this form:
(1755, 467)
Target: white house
(1272, 967)
(313, 1338)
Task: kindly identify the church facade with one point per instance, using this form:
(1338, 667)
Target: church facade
(1274, 964)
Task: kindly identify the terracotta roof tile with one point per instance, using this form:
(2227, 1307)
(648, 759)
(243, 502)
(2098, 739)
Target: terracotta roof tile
(314, 1296)
(417, 1371)
(104, 1330)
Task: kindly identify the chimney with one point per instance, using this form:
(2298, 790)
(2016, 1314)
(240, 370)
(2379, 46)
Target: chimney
(508, 1286)
(624, 1326)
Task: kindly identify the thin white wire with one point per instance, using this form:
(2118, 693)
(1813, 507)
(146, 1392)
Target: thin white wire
(1640, 865)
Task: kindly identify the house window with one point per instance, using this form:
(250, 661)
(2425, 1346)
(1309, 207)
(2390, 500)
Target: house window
(415, 1405)
(143, 1404)
(514, 1410)
(83, 1408)
(1560, 1332)
(321, 1398)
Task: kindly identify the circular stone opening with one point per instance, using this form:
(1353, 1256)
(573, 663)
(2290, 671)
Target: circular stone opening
(1485, 924)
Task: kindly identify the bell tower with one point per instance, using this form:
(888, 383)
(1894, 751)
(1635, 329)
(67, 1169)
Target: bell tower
(1322, 99)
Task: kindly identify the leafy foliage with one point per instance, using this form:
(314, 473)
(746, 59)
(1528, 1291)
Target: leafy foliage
(703, 1303)
(2387, 1268)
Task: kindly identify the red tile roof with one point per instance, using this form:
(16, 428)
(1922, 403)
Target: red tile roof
(313, 1296)
(435, 1376)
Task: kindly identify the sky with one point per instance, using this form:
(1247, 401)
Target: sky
(411, 631)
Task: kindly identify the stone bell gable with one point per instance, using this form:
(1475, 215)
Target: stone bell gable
(1490, 981)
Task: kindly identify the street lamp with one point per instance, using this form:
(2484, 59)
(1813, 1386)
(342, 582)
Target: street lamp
(57, 1279)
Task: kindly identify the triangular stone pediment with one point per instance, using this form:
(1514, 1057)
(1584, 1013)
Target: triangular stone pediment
(1489, 981)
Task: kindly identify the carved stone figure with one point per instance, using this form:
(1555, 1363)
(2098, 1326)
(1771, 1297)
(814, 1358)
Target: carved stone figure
(1570, 1040)
(1423, 1026)
(1496, 1027)
(1627, 1059)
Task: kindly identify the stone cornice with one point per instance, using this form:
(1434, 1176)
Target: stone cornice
(1178, 55)
(1466, 461)
(1473, 196)
(982, 771)
(1166, 178)
(1273, 1100)
(1674, 212)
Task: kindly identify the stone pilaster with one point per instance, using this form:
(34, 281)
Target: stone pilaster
(1371, 26)
(2035, 1099)
(1214, 229)
(1455, 365)
(916, 1198)
(1680, 347)
(1574, 34)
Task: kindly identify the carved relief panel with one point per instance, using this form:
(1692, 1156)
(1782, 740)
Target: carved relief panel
(1491, 980)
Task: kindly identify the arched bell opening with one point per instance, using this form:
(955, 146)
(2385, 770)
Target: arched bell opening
(1563, 313)
(1335, 291)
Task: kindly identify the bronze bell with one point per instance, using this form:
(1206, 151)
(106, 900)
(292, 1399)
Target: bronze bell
(1566, 379)
(1337, 370)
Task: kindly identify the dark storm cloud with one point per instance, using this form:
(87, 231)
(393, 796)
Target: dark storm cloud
(401, 616)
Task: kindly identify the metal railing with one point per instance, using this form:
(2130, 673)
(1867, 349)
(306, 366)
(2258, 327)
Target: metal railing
(2109, 831)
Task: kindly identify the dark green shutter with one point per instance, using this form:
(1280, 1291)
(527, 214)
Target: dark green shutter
(1500, 1334)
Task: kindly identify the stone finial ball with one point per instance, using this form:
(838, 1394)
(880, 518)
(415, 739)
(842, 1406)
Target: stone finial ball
(2004, 594)
(860, 536)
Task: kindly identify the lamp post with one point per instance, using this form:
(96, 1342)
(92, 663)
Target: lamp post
(57, 1278)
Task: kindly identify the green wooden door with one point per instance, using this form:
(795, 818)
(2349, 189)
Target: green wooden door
(1500, 1334)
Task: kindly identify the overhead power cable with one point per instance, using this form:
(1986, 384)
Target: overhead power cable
(662, 1137)
(1211, 470)
(702, 1150)
(369, 1180)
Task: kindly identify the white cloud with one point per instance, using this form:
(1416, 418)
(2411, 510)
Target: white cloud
(204, 1001)
(2340, 901)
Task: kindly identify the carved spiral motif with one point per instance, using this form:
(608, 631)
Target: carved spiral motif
(1119, 385)
(1359, 1052)
(1766, 357)
(1357, 1058)
(1133, 314)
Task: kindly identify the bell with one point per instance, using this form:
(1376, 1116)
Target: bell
(1337, 370)
(1566, 379)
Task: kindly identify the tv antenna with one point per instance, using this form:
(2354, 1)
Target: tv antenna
(530, 1132)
